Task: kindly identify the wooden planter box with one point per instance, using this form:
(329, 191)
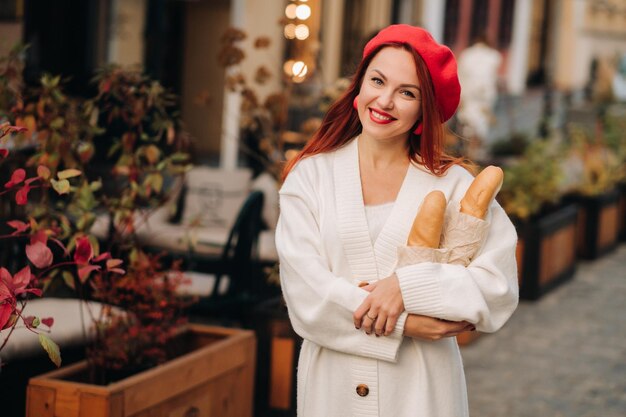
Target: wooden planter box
(214, 379)
(546, 251)
(598, 224)
(278, 351)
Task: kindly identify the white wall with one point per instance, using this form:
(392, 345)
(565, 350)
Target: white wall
(517, 68)
(256, 18)
(433, 16)
(126, 42)
(579, 41)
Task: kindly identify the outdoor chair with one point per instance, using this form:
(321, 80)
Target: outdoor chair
(227, 285)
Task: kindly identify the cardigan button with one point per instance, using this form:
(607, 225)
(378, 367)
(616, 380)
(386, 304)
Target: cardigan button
(363, 284)
(362, 390)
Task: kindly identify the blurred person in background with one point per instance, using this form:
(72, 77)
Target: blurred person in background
(379, 340)
(478, 74)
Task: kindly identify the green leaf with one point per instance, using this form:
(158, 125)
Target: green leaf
(52, 348)
(94, 244)
(68, 173)
(57, 123)
(114, 148)
(61, 187)
(157, 182)
(68, 278)
(95, 185)
(179, 157)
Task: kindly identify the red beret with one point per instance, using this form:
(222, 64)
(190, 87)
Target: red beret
(438, 58)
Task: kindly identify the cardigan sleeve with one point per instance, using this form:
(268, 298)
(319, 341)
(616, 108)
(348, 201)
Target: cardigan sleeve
(320, 304)
(484, 293)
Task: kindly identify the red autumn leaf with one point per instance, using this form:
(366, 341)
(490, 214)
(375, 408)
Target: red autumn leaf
(16, 178)
(6, 310)
(48, 321)
(31, 180)
(84, 251)
(85, 270)
(39, 254)
(28, 321)
(5, 279)
(19, 226)
(21, 196)
(102, 257)
(4, 153)
(22, 278)
(39, 236)
(10, 286)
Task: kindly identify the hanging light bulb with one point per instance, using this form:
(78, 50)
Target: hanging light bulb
(290, 31)
(290, 11)
(303, 12)
(302, 32)
(288, 67)
(299, 69)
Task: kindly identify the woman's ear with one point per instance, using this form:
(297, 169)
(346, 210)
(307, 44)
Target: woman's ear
(355, 103)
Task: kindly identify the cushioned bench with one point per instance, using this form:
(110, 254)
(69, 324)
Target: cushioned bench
(67, 330)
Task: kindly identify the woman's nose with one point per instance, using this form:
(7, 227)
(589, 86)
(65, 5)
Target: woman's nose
(385, 99)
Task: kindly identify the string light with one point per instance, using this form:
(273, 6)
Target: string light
(290, 11)
(303, 12)
(296, 11)
(290, 31)
(288, 67)
(302, 32)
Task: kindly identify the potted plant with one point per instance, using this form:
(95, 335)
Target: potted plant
(595, 190)
(614, 125)
(138, 342)
(546, 229)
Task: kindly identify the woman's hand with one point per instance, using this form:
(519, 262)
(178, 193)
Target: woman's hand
(429, 328)
(381, 309)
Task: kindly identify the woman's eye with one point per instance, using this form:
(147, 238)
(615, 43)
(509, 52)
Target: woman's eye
(407, 93)
(377, 81)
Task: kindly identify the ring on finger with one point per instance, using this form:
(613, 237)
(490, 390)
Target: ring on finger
(371, 318)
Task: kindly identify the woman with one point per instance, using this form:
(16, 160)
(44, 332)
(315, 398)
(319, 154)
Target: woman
(347, 205)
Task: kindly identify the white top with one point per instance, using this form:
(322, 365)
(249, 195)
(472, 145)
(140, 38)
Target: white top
(325, 250)
(377, 215)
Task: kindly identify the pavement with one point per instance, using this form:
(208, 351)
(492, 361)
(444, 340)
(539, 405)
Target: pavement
(561, 356)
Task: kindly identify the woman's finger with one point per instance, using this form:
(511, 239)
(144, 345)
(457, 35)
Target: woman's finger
(368, 321)
(359, 313)
(390, 325)
(370, 286)
(379, 325)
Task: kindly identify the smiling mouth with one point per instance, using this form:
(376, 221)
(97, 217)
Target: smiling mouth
(380, 117)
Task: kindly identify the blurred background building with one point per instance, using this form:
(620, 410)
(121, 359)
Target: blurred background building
(546, 46)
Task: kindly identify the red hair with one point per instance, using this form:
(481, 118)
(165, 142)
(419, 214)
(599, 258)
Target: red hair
(342, 123)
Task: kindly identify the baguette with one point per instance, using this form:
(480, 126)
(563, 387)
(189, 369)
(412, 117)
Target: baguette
(427, 225)
(482, 191)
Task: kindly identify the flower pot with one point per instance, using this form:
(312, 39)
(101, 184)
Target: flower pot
(546, 251)
(215, 378)
(598, 224)
(467, 338)
(278, 351)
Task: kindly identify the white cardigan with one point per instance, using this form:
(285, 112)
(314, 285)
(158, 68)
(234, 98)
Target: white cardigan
(325, 250)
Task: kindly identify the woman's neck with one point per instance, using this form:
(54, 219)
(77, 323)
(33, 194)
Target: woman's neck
(382, 154)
